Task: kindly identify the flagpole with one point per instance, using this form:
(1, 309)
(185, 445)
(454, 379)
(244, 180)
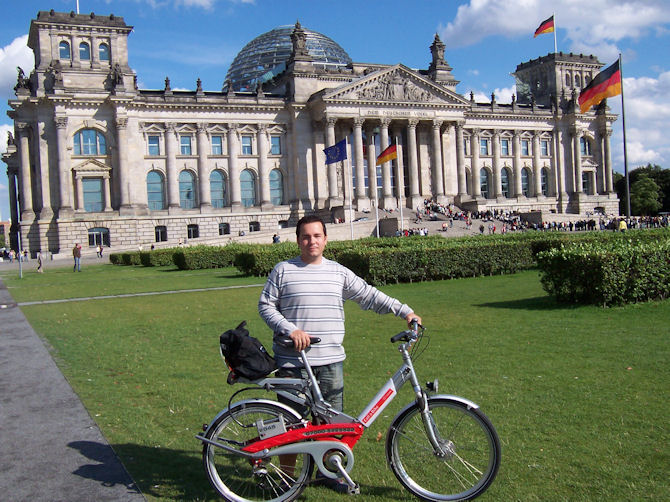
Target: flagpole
(555, 44)
(625, 157)
(400, 183)
(351, 188)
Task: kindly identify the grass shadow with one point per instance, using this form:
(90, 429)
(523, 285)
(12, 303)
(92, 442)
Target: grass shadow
(538, 303)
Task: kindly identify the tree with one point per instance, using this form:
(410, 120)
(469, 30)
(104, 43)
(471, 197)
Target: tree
(644, 197)
(660, 176)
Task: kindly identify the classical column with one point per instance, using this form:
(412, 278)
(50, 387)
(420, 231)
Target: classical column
(362, 202)
(233, 168)
(460, 161)
(372, 163)
(497, 182)
(80, 192)
(333, 196)
(205, 195)
(12, 178)
(559, 170)
(319, 159)
(413, 164)
(577, 159)
(537, 175)
(64, 174)
(124, 175)
(400, 172)
(263, 171)
(476, 179)
(389, 201)
(516, 163)
(171, 166)
(25, 182)
(107, 192)
(438, 175)
(608, 161)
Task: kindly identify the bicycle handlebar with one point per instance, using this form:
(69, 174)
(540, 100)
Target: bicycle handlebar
(409, 334)
(288, 342)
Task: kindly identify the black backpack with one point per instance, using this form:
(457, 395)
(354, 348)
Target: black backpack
(245, 355)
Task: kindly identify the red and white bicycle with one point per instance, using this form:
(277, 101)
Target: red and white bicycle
(440, 447)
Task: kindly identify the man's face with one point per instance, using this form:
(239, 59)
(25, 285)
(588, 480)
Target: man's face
(312, 241)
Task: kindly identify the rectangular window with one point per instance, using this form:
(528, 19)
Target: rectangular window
(154, 145)
(217, 145)
(524, 147)
(161, 233)
(275, 145)
(483, 147)
(465, 147)
(185, 142)
(544, 147)
(193, 231)
(504, 147)
(92, 188)
(246, 145)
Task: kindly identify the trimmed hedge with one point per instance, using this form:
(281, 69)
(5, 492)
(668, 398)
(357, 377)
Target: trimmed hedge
(200, 257)
(607, 273)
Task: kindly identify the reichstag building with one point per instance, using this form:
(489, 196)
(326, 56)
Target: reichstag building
(94, 159)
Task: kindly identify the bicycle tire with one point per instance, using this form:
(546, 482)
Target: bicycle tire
(465, 433)
(236, 478)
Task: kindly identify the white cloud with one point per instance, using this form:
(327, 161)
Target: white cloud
(503, 96)
(4, 129)
(647, 115)
(592, 27)
(15, 54)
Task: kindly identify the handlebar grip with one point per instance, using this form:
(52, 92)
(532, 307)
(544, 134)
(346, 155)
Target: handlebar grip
(288, 343)
(403, 335)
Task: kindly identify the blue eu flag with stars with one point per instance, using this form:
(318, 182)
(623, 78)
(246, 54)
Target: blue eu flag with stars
(337, 152)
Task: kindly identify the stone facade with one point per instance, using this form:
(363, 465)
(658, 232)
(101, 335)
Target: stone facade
(94, 159)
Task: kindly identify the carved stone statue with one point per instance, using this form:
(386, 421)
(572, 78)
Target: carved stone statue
(299, 41)
(10, 138)
(22, 83)
(54, 75)
(437, 51)
(167, 84)
(198, 85)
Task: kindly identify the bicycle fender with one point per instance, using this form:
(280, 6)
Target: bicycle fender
(449, 397)
(285, 407)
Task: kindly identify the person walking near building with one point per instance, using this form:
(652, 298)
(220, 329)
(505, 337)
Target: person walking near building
(40, 264)
(76, 253)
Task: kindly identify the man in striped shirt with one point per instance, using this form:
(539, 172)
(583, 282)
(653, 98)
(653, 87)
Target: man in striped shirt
(304, 297)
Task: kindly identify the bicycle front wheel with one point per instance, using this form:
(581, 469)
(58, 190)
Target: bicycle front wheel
(239, 479)
(469, 442)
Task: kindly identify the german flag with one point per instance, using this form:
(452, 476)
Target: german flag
(606, 84)
(389, 154)
(546, 26)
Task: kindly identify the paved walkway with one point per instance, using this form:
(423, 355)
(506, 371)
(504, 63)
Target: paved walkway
(51, 450)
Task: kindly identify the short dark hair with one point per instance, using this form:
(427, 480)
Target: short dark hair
(310, 218)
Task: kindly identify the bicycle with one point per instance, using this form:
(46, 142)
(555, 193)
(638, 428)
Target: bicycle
(440, 447)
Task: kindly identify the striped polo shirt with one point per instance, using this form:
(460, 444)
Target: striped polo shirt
(311, 298)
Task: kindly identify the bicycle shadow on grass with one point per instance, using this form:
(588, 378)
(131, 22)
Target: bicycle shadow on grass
(167, 473)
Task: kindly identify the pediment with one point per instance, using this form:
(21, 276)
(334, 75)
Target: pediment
(395, 84)
(91, 166)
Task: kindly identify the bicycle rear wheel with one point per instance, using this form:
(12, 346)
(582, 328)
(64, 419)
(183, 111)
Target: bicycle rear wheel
(239, 479)
(470, 443)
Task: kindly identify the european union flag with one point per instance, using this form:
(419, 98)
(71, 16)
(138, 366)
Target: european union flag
(337, 152)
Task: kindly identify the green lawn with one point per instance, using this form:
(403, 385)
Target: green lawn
(579, 395)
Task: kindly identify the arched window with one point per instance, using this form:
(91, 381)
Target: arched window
(103, 52)
(484, 182)
(276, 187)
(89, 142)
(248, 188)
(504, 181)
(155, 191)
(584, 146)
(544, 180)
(578, 81)
(84, 51)
(64, 50)
(98, 236)
(160, 232)
(568, 80)
(217, 188)
(93, 196)
(186, 190)
(525, 182)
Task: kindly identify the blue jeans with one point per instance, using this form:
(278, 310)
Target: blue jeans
(77, 266)
(331, 382)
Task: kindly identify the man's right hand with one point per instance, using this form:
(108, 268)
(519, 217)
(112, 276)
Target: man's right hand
(300, 339)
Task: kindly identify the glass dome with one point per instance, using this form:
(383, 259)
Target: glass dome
(266, 56)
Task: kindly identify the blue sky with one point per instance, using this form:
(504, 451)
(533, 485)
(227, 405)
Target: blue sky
(485, 40)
